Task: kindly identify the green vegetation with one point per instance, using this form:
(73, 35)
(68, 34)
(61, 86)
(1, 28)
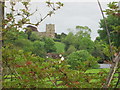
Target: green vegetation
(60, 47)
(25, 60)
(97, 70)
(81, 59)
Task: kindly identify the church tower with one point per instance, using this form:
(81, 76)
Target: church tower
(50, 30)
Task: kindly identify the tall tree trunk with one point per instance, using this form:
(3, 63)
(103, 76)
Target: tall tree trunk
(1, 13)
(1, 26)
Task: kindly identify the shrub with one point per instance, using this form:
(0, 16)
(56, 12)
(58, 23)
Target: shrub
(82, 59)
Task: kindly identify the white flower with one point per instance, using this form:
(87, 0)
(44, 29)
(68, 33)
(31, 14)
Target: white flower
(62, 58)
(60, 55)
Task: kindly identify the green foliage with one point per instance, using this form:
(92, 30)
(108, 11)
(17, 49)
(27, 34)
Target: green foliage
(86, 44)
(28, 31)
(83, 31)
(70, 49)
(69, 39)
(60, 47)
(113, 9)
(60, 37)
(49, 45)
(24, 44)
(39, 48)
(113, 23)
(79, 41)
(10, 36)
(106, 50)
(81, 59)
(98, 49)
(25, 65)
(31, 71)
(34, 36)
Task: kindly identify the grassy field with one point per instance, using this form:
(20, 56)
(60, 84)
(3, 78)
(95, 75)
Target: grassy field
(60, 47)
(97, 70)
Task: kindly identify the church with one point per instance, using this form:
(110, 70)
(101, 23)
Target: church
(50, 31)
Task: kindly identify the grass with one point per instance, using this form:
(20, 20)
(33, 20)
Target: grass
(97, 70)
(60, 47)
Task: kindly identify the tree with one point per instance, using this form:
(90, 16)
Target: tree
(2, 4)
(34, 36)
(83, 31)
(63, 35)
(39, 48)
(70, 49)
(85, 43)
(113, 23)
(18, 51)
(81, 59)
(80, 40)
(69, 40)
(98, 49)
(49, 45)
(24, 44)
(59, 37)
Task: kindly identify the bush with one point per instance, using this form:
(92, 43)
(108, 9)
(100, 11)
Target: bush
(39, 48)
(60, 47)
(49, 45)
(81, 59)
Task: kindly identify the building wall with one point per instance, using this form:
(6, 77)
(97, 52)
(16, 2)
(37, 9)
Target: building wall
(50, 31)
(42, 34)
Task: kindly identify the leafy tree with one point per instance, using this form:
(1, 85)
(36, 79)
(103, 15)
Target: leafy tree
(69, 40)
(22, 35)
(57, 35)
(86, 44)
(98, 49)
(60, 47)
(17, 49)
(39, 48)
(9, 36)
(113, 23)
(60, 37)
(63, 35)
(34, 36)
(49, 45)
(31, 71)
(24, 44)
(106, 50)
(83, 31)
(80, 40)
(70, 49)
(81, 59)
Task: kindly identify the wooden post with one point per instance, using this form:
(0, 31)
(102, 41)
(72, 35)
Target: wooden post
(113, 67)
(112, 71)
(106, 28)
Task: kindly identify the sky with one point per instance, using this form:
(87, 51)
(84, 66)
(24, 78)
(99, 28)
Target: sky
(73, 13)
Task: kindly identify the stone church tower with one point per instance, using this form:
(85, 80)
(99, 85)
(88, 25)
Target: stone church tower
(50, 30)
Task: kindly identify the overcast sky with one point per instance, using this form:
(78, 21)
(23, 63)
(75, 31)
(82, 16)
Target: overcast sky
(73, 13)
